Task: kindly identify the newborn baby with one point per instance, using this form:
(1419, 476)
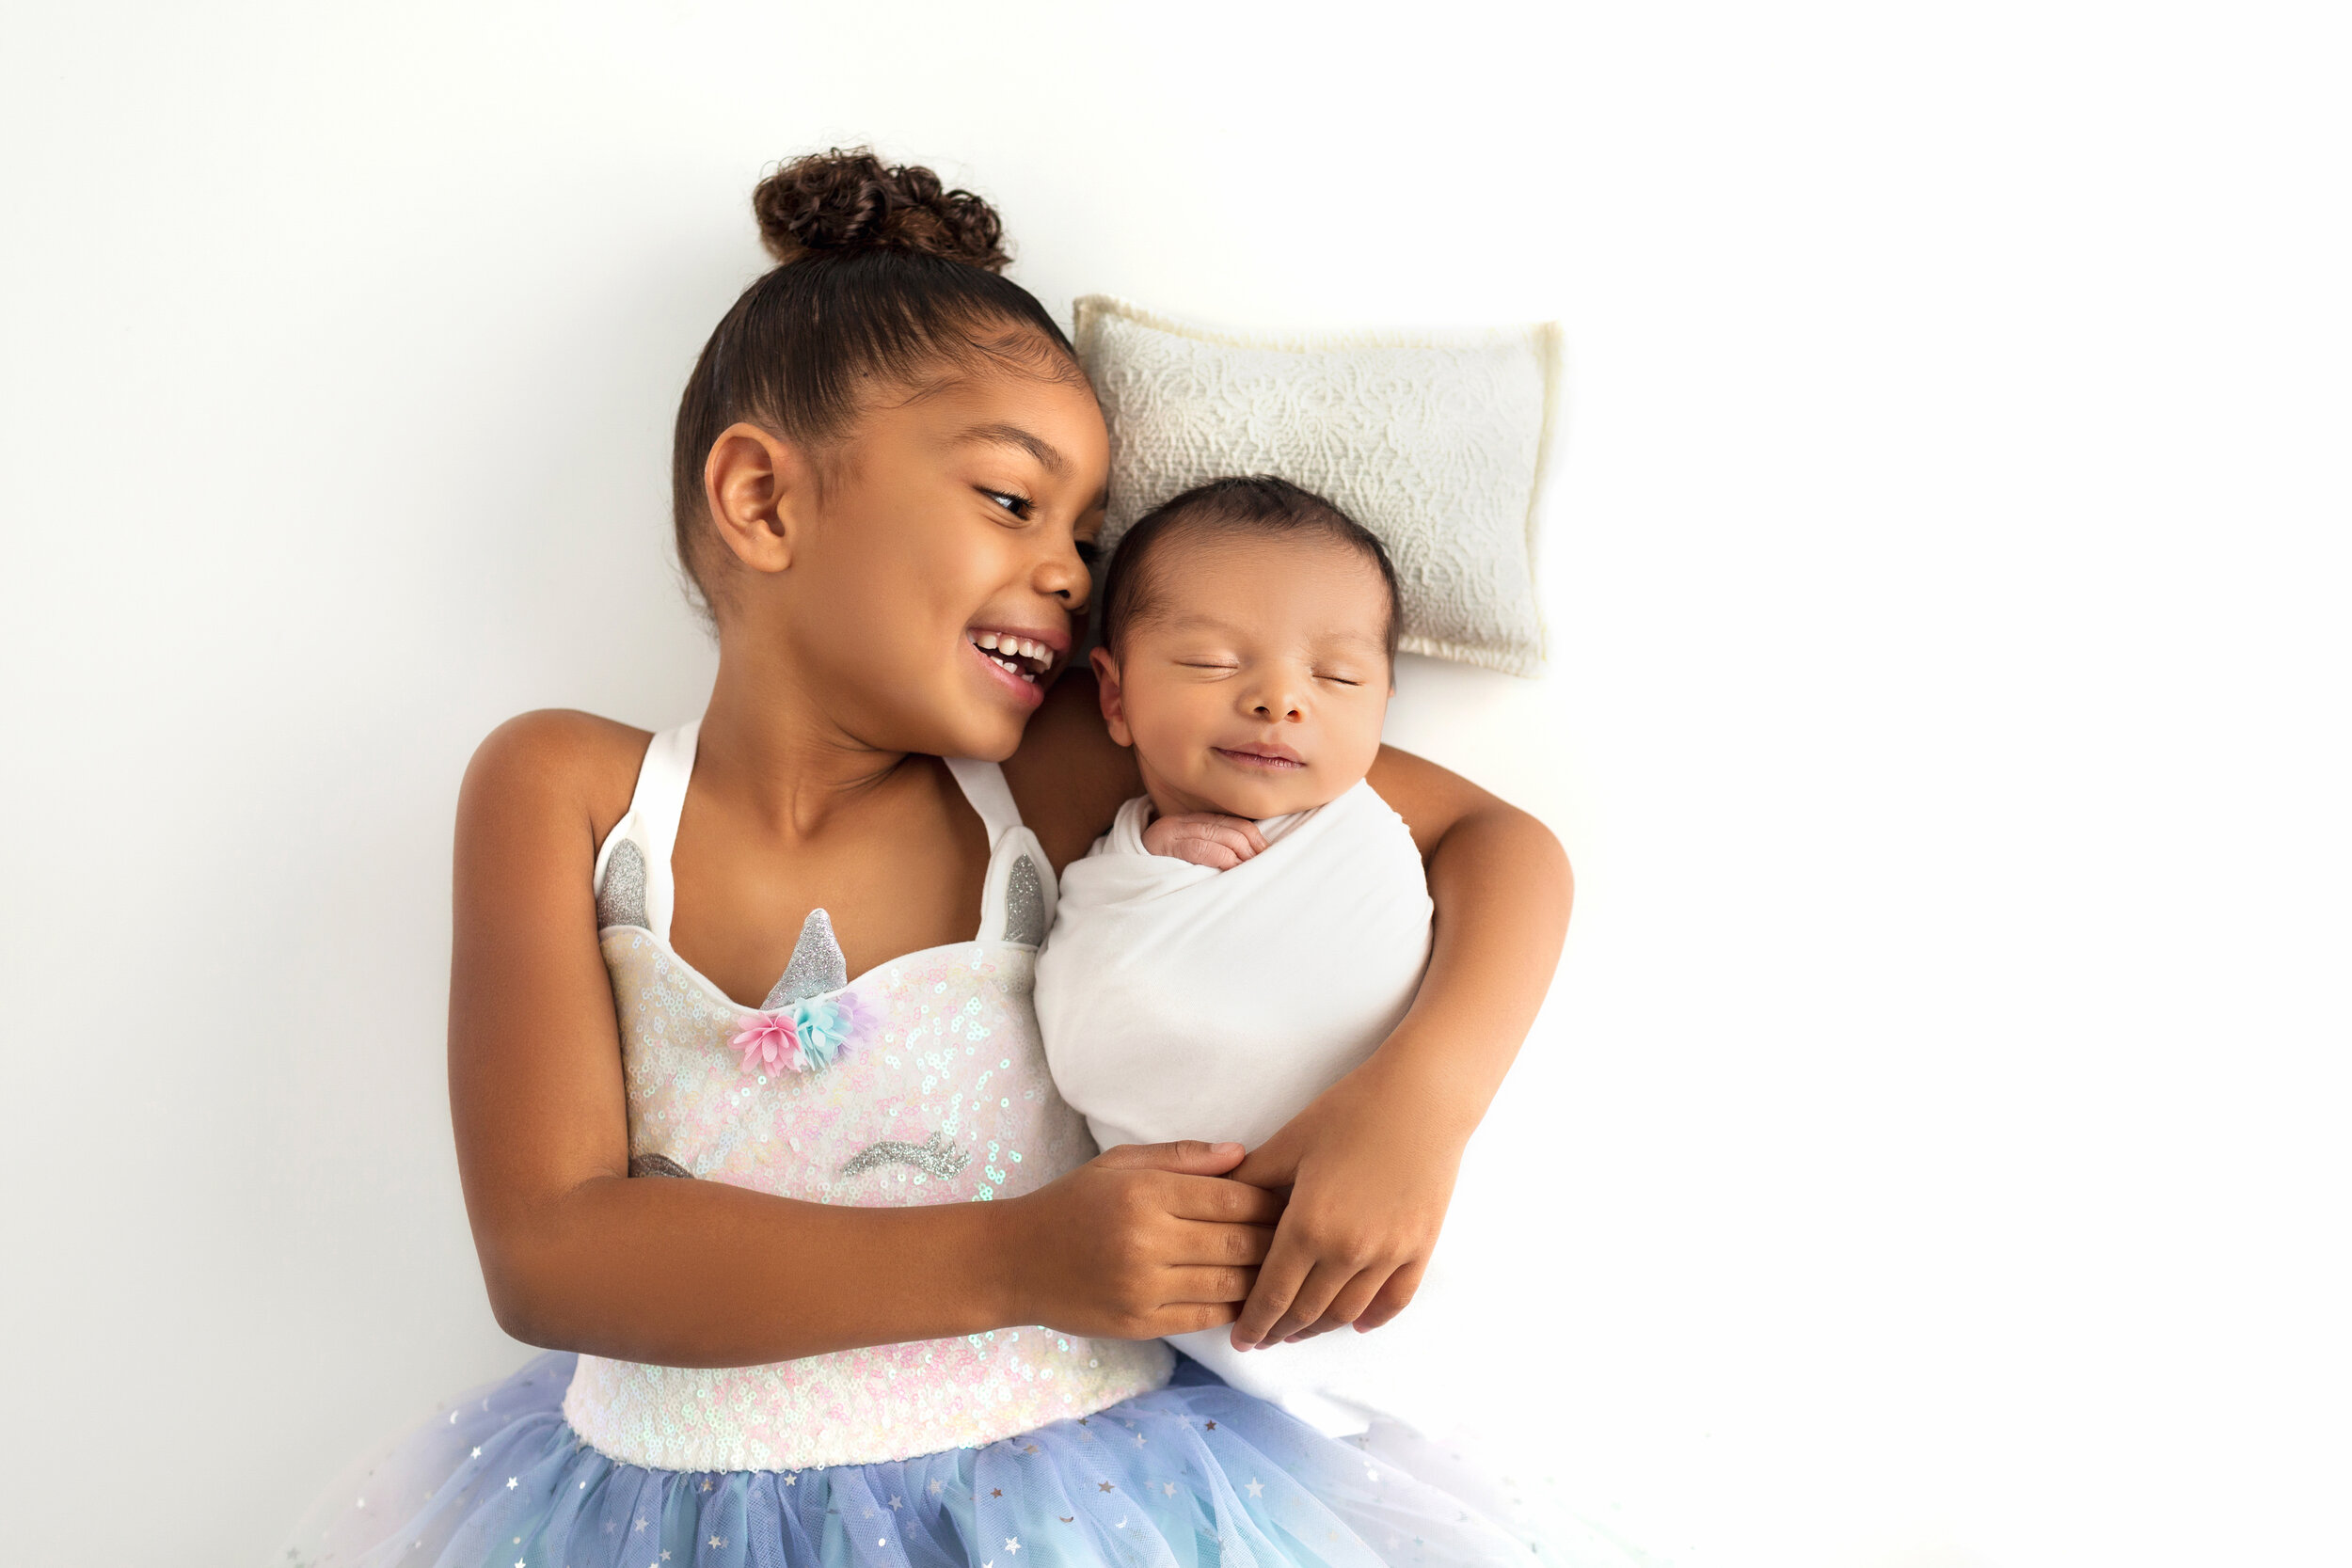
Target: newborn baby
(1255, 924)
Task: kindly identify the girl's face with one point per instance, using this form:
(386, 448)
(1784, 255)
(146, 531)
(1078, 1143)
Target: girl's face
(933, 581)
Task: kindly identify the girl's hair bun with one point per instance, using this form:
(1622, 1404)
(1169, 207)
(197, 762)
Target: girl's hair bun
(852, 200)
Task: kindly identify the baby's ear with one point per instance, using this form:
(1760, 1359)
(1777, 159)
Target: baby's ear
(1111, 695)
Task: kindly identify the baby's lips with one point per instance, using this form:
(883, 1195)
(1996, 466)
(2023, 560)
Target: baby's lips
(1269, 750)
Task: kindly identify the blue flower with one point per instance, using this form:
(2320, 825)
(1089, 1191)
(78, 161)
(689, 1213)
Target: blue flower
(825, 1026)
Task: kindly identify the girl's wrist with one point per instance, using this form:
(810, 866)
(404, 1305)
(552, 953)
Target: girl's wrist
(1447, 1104)
(994, 1250)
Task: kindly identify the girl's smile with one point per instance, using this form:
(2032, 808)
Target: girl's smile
(1020, 660)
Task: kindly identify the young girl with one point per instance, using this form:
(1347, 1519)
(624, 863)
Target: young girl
(723, 1172)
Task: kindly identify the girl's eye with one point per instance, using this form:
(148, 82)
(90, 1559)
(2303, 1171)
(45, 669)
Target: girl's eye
(1018, 505)
(1343, 680)
(1089, 551)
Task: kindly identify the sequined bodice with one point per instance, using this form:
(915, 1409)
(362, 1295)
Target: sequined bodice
(940, 1093)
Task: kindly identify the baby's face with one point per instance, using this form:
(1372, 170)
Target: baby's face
(1256, 682)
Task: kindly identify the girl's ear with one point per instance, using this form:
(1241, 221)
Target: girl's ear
(757, 489)
(1107, 692)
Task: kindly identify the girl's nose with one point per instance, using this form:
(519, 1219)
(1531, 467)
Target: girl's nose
(1062, 575)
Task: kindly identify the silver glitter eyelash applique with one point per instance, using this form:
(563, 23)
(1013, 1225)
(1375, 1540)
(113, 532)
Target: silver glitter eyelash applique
(657, 1164)
(933, 1156)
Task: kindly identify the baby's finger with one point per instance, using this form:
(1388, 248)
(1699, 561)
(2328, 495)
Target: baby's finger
(1208, 853)
(1395, 1295)
(1203, 842)
(1285, 1269)
(1238, 838)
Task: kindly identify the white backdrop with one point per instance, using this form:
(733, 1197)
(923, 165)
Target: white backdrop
(1933, 1153)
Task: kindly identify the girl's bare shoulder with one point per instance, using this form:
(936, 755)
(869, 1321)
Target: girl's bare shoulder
(555, 766)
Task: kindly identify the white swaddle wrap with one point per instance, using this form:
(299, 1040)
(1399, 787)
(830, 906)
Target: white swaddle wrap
(1182, 1002)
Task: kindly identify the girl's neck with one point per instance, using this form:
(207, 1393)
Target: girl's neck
(766, 750)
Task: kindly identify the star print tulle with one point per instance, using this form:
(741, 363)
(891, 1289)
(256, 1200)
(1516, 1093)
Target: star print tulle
(1191, 1476)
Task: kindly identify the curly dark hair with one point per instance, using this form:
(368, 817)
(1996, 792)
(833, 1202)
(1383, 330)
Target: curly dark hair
(850, 200)
(883, 275)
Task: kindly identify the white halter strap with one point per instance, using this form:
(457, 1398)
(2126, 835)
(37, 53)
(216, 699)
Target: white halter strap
(659, 800)
(1016, 902)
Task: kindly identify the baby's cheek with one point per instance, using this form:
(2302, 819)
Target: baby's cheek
(1172, 735)
(1355, 738)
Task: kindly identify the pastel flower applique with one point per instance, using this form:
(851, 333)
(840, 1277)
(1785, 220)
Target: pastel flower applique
(771, 1039)
(799, 1036)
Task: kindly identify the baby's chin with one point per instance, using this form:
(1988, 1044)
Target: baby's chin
(1242, 789)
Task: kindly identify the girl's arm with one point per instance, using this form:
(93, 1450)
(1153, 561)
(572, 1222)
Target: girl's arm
(1370, 1163)
(577, 1256)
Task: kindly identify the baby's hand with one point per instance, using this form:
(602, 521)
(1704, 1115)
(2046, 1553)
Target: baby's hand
(1204, 838)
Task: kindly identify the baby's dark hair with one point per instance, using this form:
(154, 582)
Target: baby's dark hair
(881, 274)
(1256, 505)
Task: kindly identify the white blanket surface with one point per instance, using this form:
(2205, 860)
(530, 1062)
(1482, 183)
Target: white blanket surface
(1182, 1002)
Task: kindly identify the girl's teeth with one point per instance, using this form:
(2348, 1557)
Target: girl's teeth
(1005, 649)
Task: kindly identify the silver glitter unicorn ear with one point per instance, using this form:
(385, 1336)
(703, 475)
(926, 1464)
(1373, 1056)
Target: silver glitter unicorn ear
(621, 901)
(1025, 904)
(817, 965)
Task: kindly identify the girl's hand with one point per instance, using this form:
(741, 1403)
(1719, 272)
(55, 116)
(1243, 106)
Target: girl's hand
(1204, 838)
(1143, 1241)
(1370, 1170)
(1370, 1163)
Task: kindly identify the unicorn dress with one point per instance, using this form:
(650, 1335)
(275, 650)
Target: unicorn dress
(920, 1081)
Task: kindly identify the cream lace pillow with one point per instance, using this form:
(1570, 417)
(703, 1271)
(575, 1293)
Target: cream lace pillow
(1436, 442)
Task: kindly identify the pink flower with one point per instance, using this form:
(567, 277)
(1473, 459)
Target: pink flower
(772, 1039)
(802, 1037)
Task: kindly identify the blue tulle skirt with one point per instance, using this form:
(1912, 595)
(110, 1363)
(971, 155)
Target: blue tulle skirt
(1193, 1475)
